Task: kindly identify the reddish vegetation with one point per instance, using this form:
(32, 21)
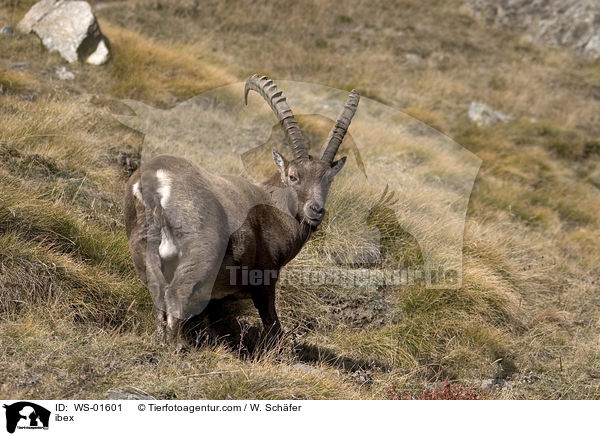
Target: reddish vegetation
(446, 391)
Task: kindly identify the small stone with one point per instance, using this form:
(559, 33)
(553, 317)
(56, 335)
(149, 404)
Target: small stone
(128, 394)
(18, 65)
(307, 369)
(413, 58)
(487, 384)
(100, 56)
(592, 48)
(64, 74)
(7, 31)
(483, 115)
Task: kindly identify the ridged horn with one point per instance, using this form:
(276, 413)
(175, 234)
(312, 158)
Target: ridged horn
(276, 100)
(341, 127)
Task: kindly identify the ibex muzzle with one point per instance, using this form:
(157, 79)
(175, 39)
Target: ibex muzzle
(191, 232)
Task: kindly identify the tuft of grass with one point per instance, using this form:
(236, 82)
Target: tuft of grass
(81, 323)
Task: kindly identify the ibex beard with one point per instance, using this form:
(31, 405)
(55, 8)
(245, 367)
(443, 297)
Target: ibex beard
(189, 231)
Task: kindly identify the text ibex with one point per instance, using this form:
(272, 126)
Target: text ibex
(194, 236)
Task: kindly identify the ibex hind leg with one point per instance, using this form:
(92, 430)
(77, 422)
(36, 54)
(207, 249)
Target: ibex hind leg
(181, 305)
(191, 288)
(161, 326)
(157, 286)
(175, 334)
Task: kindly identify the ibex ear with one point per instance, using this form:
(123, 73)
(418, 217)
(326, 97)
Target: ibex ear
(338, 165)
(280, 161)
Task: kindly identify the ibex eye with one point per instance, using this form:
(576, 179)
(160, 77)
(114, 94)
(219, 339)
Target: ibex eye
(293, 178)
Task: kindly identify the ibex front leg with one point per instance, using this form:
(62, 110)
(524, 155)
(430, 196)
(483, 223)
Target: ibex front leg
(264, 300)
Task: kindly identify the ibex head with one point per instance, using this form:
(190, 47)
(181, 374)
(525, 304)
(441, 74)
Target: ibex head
(307, 177)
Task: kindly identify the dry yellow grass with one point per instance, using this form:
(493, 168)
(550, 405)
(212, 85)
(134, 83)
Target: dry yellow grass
(527, 311)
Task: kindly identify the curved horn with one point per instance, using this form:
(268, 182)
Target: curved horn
(275, 98)
(341, 127)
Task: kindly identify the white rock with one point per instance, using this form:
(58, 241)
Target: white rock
(487, 383)
(69, 28)
(64, 74)
(100, 56)
(483, 115)
(413, 58)
(305, 368)
(592, 48)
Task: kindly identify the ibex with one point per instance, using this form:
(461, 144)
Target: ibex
(196, 237)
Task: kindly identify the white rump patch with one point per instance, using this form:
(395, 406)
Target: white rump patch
(164, 187)
(167, 248)
(136, 191)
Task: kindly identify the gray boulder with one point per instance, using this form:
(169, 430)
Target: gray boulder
(69, 28)
(574, 24)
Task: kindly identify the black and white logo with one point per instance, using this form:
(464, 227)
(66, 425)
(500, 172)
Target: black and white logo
(26, 415)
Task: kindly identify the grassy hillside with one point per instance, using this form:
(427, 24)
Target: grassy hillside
(76, 323)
